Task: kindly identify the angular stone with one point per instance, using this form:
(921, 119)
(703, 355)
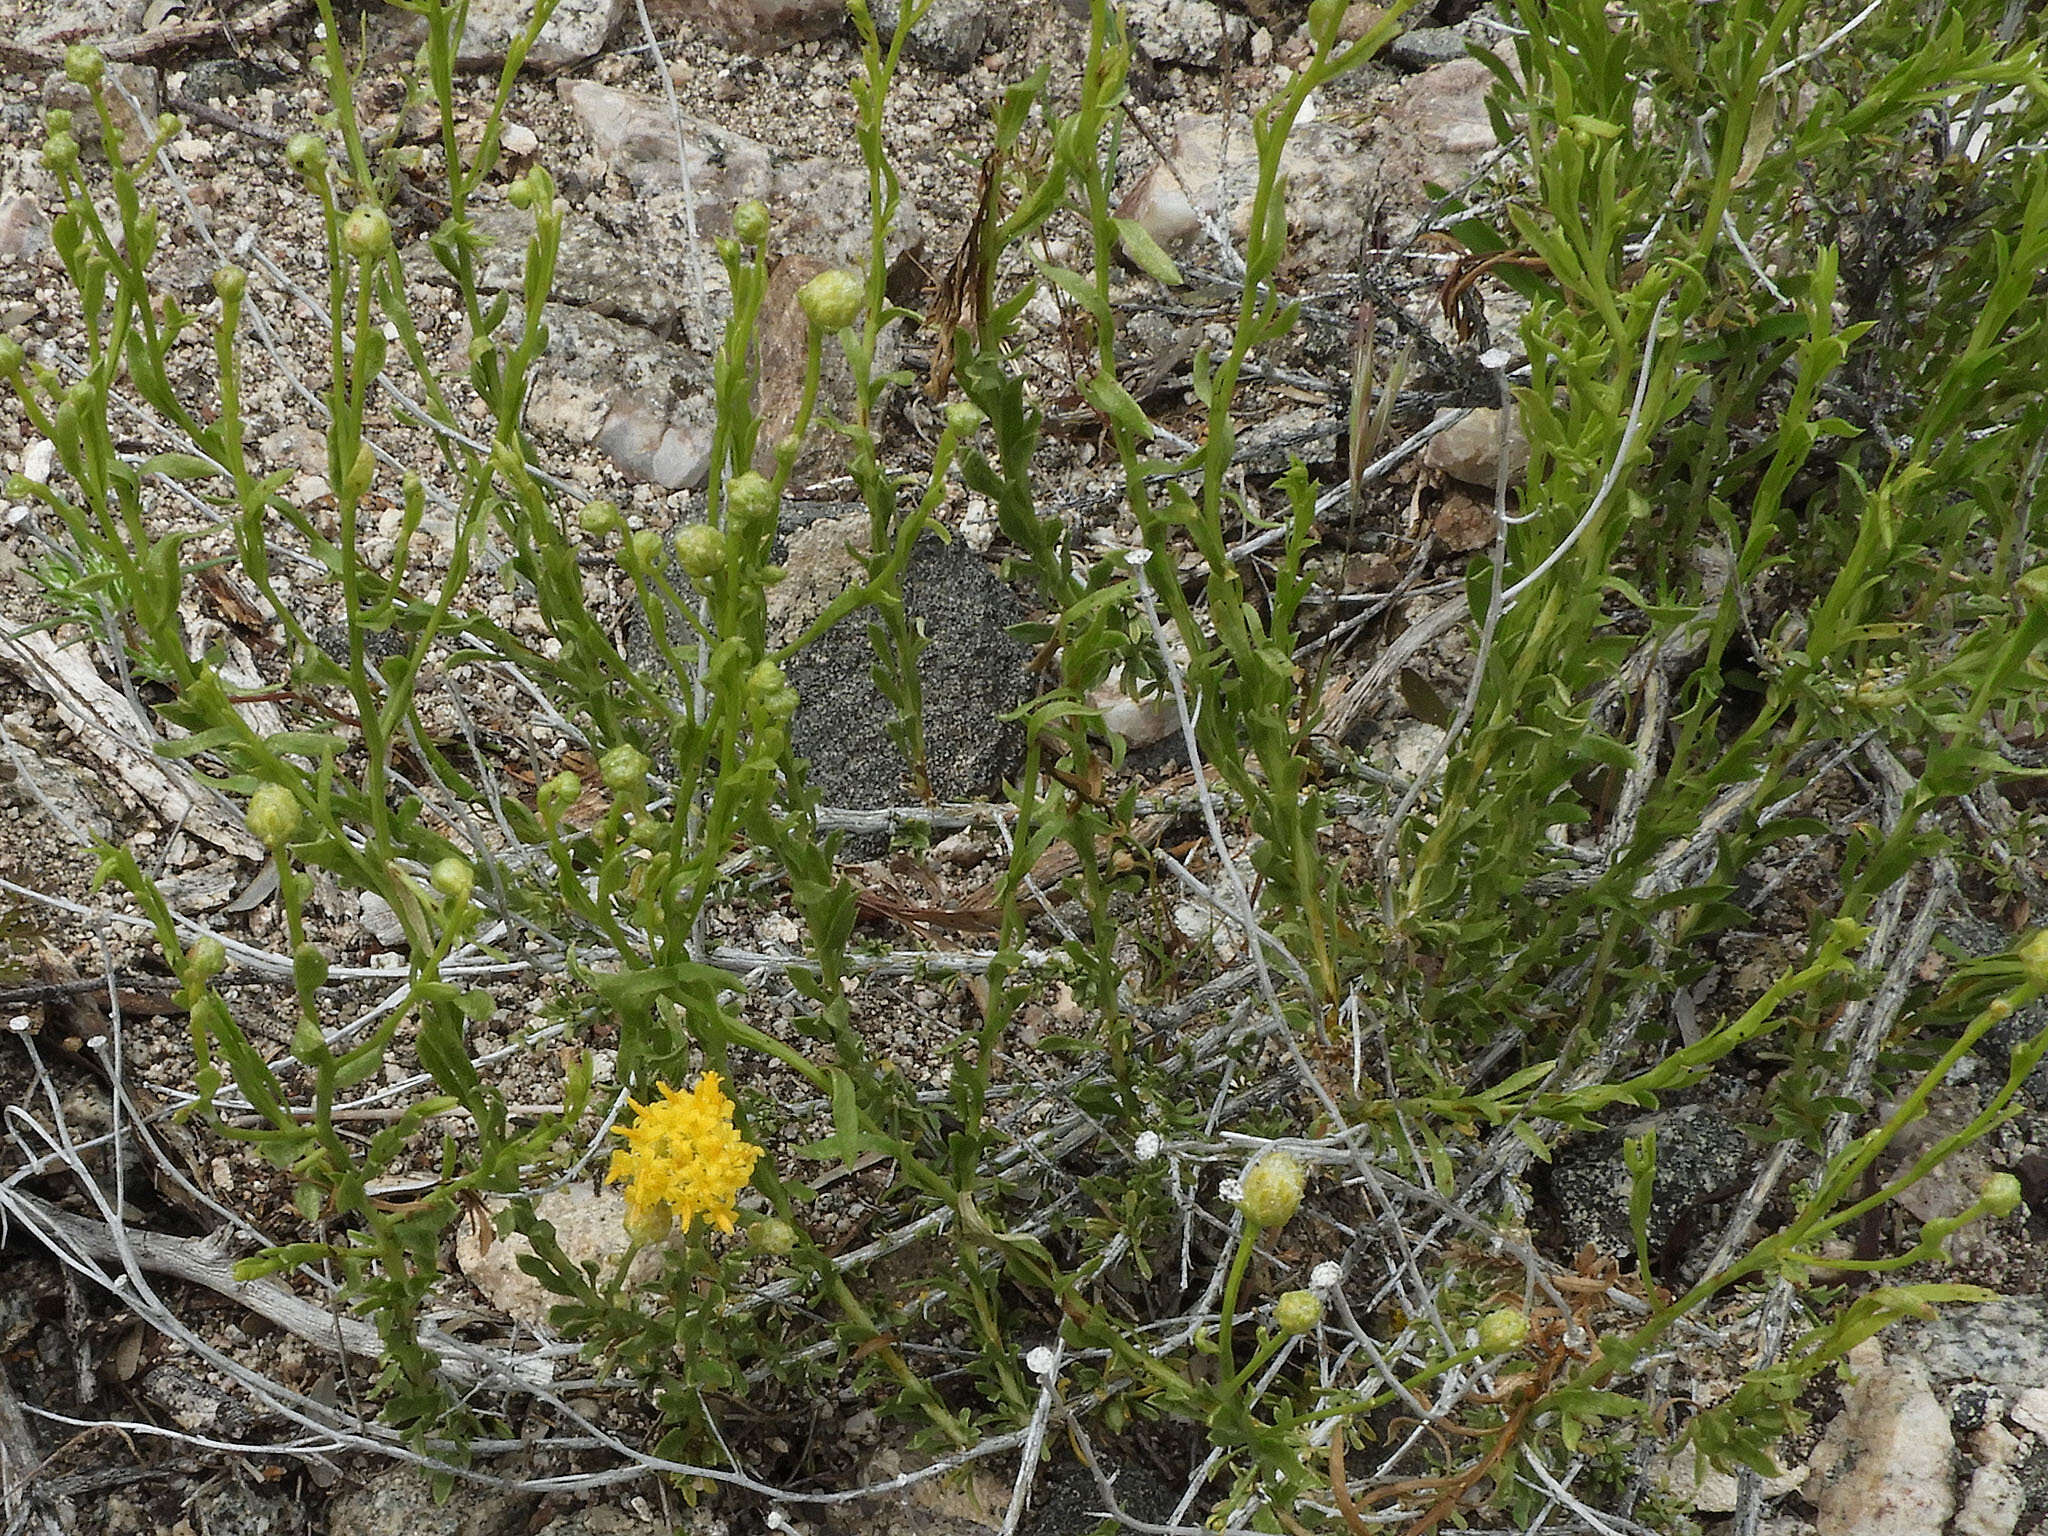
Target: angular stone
(760, 27)
(1435, 130)
(1699, 1153)
(594, 270)
(819, 206)
(646, 403)
(1426, 47)
(1212, 173)
(1882, 1468)
(1191, 32)
(971, 675)
(1469, 450)
(575, 31)
(590, 1227)
(24, 231)
(949, 36)
(133, 99)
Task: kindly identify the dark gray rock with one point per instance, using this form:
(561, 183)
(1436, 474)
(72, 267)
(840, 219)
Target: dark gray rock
(222, 80)
(949, 37)
(972, 674)
(1699, 1155)
(1427, 47)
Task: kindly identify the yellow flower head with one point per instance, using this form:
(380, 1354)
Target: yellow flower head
(683, 1153)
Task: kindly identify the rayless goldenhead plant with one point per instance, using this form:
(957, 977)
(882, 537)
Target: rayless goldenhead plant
(1772, 551)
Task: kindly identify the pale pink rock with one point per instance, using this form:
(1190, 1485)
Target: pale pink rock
(1883, 1467)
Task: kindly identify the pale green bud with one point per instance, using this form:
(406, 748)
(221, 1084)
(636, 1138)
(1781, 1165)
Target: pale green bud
(273, 815)
(60, 153)
(598, 517)
(772, 1235)
(366, 233)
(84, 64)
(749, 499)
(1273, 1188)
(2033, 953)
(453, 878)
(205, 958)
(964, 418)
(700, 550)
(1502, 1330)
(2000, 1194)
(560, 792)
(231, 283)
(750, 221)
(832, 300)
(644, 549)
(624, 768)
(1298, 1312)
(306, 153)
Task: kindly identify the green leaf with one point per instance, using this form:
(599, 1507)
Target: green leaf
(1114, 401)
(1138, 244)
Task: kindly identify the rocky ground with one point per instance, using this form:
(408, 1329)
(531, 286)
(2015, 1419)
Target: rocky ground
(109, 1424)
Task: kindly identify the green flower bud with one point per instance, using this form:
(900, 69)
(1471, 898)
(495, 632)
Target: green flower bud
(205, 958)
(84, 64)
(598, 517)
(306, 153)
(453, 878)
(700, 550)
(1272, 1189)
(750, 221)
(765, 680)
(2033, 954)
(2000, 1194)
(772, 1235)
(520, 193)
(167, 126)
(1298, 1312)
(366, 233)
(1502, 1330)
(563, 790)
(60, 154)
(832, 300)
(309, 969)
(273, 815)
(624, 769)
(231, 283)
(749, 500)
(964, 418)
(58, 120)
(643, 550)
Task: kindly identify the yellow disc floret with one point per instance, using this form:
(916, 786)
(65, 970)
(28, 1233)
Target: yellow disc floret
(683, 1153)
